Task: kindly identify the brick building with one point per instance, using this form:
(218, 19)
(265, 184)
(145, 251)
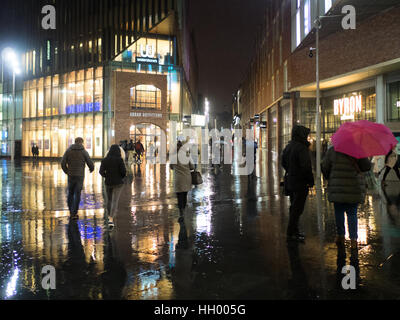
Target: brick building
(359, 70)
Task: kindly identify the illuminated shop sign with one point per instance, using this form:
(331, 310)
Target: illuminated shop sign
(347, 107)
(398, 104)
(147, 54)
(145, 114)
(146, 60)
(263, 124)
(80, 108)
(198, 120)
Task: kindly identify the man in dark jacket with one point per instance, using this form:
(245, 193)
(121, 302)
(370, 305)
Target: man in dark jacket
(346, 189)
(298, 177)
(73, 164)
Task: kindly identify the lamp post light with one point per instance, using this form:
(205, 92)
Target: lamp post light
(318, 109)
(10, 57)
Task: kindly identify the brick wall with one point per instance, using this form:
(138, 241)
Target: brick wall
(375, 40)
(122, 83)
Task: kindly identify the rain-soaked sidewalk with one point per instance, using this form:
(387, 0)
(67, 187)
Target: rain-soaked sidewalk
(231, 246)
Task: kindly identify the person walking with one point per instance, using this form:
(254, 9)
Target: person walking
(299, 178)
(131, 151)
(346, 189)
(73, 164)
(391, 162)
(35, 151)
(139, 150)
(183, 182)
(113, 169)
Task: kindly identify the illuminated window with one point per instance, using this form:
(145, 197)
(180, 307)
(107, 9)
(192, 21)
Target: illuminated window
(145, 96)
(306, 17)
(328, 5)
(298, 30)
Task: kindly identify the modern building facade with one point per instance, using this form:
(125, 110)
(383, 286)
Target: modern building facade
(110, 71)
(359, 71)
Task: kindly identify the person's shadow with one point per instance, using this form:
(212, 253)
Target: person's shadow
(298, 283)
(183, 242)
(341, 262)
(114, 276)
(74, 270)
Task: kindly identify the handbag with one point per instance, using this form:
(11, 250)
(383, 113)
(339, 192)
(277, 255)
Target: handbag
(196, 178)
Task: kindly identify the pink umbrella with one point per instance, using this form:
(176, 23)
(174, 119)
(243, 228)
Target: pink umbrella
(362, 139)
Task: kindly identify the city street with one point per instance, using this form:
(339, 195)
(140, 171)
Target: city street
(231, 245)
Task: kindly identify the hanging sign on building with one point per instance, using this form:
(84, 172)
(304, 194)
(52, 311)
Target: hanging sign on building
(347, 107)
(147, 54)
(398, 104)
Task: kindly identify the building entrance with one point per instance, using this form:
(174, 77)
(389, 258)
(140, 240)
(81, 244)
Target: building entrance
(149, 135)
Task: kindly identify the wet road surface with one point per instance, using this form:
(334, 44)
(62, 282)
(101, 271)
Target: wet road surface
(231, 245)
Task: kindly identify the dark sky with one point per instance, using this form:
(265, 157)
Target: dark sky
(225, 33)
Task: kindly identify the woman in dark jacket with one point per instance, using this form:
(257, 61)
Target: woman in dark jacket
(346, 189)
(113, 169)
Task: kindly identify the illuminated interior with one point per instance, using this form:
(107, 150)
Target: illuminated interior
(60, 108)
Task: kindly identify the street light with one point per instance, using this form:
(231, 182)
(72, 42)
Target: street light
(11, 58)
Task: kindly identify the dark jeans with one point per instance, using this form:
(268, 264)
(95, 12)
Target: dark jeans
(182, 200)
(395, 168)
(75, 185)
(113, 194)
(351, 211)
(297, 203)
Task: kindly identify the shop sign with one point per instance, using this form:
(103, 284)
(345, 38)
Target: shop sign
(347, 107)
(256, 117)
(145, 114)
(198, 120)
(263, 124)
(398, 104)
(147, 54)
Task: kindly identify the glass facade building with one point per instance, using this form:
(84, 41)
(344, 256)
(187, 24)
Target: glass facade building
(67, 89)
(59, 108)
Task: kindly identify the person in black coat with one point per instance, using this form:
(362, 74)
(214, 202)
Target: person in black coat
(113, 169)
(299, 177)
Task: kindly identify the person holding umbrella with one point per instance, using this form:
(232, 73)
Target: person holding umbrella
(343, 167)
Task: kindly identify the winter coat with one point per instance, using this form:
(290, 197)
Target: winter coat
(113, 169)
(74, 159)
(297, 162)
(182, 176)
(391, 159)
(345, 183)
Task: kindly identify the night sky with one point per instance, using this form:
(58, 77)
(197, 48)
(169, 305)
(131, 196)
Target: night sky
(224, 31)
(225, 35)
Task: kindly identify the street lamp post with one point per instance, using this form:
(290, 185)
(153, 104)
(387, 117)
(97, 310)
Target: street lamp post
(11, 58)
(318, 109)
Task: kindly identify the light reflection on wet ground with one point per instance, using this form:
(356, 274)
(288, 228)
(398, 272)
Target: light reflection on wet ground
(231, 246)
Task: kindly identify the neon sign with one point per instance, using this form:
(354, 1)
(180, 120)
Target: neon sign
(347, 107)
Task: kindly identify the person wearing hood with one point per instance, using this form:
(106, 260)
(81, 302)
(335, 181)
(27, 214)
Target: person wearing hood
(299, 178)
(73, 164)
(113, 169)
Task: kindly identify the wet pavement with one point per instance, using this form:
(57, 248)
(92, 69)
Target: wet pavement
(231, 244)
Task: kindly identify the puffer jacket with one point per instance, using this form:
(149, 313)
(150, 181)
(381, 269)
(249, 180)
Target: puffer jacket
(345, 183)
(74, 159)
(297, 162)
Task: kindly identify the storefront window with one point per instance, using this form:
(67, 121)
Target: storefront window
(98, 135)
(145, 96)
(40, 98)
(393, 109)
(354, 106)
(98, 95)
